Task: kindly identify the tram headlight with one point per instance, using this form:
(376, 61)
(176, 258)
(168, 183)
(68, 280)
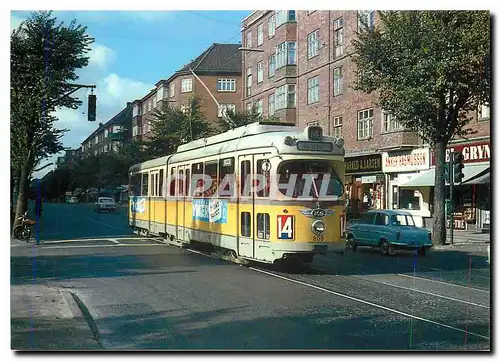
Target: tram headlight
(318, 227)
(289, 141)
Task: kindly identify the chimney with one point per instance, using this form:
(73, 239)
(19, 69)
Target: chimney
(129, 104)
(100, 125)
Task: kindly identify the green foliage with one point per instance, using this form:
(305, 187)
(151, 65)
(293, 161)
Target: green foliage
(172, 127)
(430, 68)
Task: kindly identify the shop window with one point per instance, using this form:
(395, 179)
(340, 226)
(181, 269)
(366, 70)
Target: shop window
(226, 174)
(263, 226)
(409, 199)
(246, 224)
(145, 178)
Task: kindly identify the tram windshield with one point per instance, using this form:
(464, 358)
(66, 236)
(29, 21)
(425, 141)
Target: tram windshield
(324, 171)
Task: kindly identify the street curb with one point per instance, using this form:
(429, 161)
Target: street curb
(84, 321)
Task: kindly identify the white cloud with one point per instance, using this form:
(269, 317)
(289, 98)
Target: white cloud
(101, 56)
(116, 90)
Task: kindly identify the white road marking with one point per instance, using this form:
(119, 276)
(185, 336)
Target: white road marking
(370, 303)
(105, 245)
(442, 282)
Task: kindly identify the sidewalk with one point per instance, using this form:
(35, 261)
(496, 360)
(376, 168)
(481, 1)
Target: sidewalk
(467, 237)
(47, 318)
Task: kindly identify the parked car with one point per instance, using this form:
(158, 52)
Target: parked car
(389, 230)
(105, 204)
(73, 200)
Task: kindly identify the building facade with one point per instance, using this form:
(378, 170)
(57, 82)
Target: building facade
(70, 155)
(109, 136)
(218, 68)
(298, 68)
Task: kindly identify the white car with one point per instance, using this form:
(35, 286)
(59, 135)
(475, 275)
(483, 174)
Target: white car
(105, 204)
(73, 200)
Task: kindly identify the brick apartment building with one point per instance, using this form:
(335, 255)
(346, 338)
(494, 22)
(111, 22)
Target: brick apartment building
(109, 136)
(218, 67)
(300, 71)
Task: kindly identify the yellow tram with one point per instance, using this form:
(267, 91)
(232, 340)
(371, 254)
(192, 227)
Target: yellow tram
(262, 192)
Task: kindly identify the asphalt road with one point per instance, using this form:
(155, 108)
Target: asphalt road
(142, 294)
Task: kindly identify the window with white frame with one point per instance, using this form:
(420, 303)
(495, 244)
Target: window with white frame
(313, 44)
(338, 81)
(313, 90)
(365, 123)
(135, 111)
(337, 126)
(249, 107)
(249, 81)
(284, 16)
(260, 72)
(222, 111)
(272, 26)
(312, 123)
(260, 34)
(260, 107)
(272, 65)
(226, 85)
(271, 104)
(285, 97)
(285, 54)
(172, 90)
(105, 133)
(149, 105)
(96, 139)
(117, 128)
(159, 94)
(365, 19)
(483, 112)
(154, 101)
(186, 85)
(390, 123)
(249, 39)
(338, 32)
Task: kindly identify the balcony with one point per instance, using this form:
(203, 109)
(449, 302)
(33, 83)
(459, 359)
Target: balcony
(117, 135)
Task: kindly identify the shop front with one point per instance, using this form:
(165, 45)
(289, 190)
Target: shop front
(365, 185)
(400, 167)
(471, 198)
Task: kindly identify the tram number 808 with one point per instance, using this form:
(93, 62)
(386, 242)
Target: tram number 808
(319, 238)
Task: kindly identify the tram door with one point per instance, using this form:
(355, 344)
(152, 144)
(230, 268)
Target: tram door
(181, 202)
(153, 194)
(246, 207)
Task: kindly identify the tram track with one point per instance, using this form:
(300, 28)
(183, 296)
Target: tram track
(309, 278)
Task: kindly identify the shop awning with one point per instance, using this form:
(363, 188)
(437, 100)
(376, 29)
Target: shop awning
(427, 179)
(480, 178)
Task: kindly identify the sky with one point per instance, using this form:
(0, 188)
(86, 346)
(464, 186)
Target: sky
(132, 51)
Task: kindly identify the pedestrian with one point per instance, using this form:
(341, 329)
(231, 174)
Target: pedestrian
(38, 207)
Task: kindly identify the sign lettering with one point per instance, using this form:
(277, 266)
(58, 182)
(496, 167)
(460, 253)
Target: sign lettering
(472, 152)
(416, 159)
(366, 164)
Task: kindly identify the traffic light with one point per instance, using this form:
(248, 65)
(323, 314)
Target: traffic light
(458, 165)
(92, 108)
(447, 173)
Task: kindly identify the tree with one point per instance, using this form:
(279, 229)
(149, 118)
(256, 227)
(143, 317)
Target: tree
(240, 119)
(431, 70)
(44, 57)
(172, 127)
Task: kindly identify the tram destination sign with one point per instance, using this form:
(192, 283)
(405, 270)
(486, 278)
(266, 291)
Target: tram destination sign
(315, 146)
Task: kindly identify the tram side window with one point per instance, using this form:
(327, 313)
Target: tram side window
(264, 192)
(226, 175)
(188, 183)
(172, 181)
(145, 179)
(135, 185)
(160, 188)
(245, 171)
(181, 183)
(197, 169)
(246, 224)
(211, 171)
(263, 226)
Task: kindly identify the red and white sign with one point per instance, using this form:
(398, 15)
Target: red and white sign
(285, 227)
(472, 152)
(406, 161)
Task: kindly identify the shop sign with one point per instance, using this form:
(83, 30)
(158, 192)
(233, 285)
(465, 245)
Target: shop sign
(406, 161)
(473, 152)
(369, 179)
(364, 164)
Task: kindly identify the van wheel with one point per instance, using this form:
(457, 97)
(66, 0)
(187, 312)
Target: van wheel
(385, 248)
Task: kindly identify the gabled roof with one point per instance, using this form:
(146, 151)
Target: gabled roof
(218, 58)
